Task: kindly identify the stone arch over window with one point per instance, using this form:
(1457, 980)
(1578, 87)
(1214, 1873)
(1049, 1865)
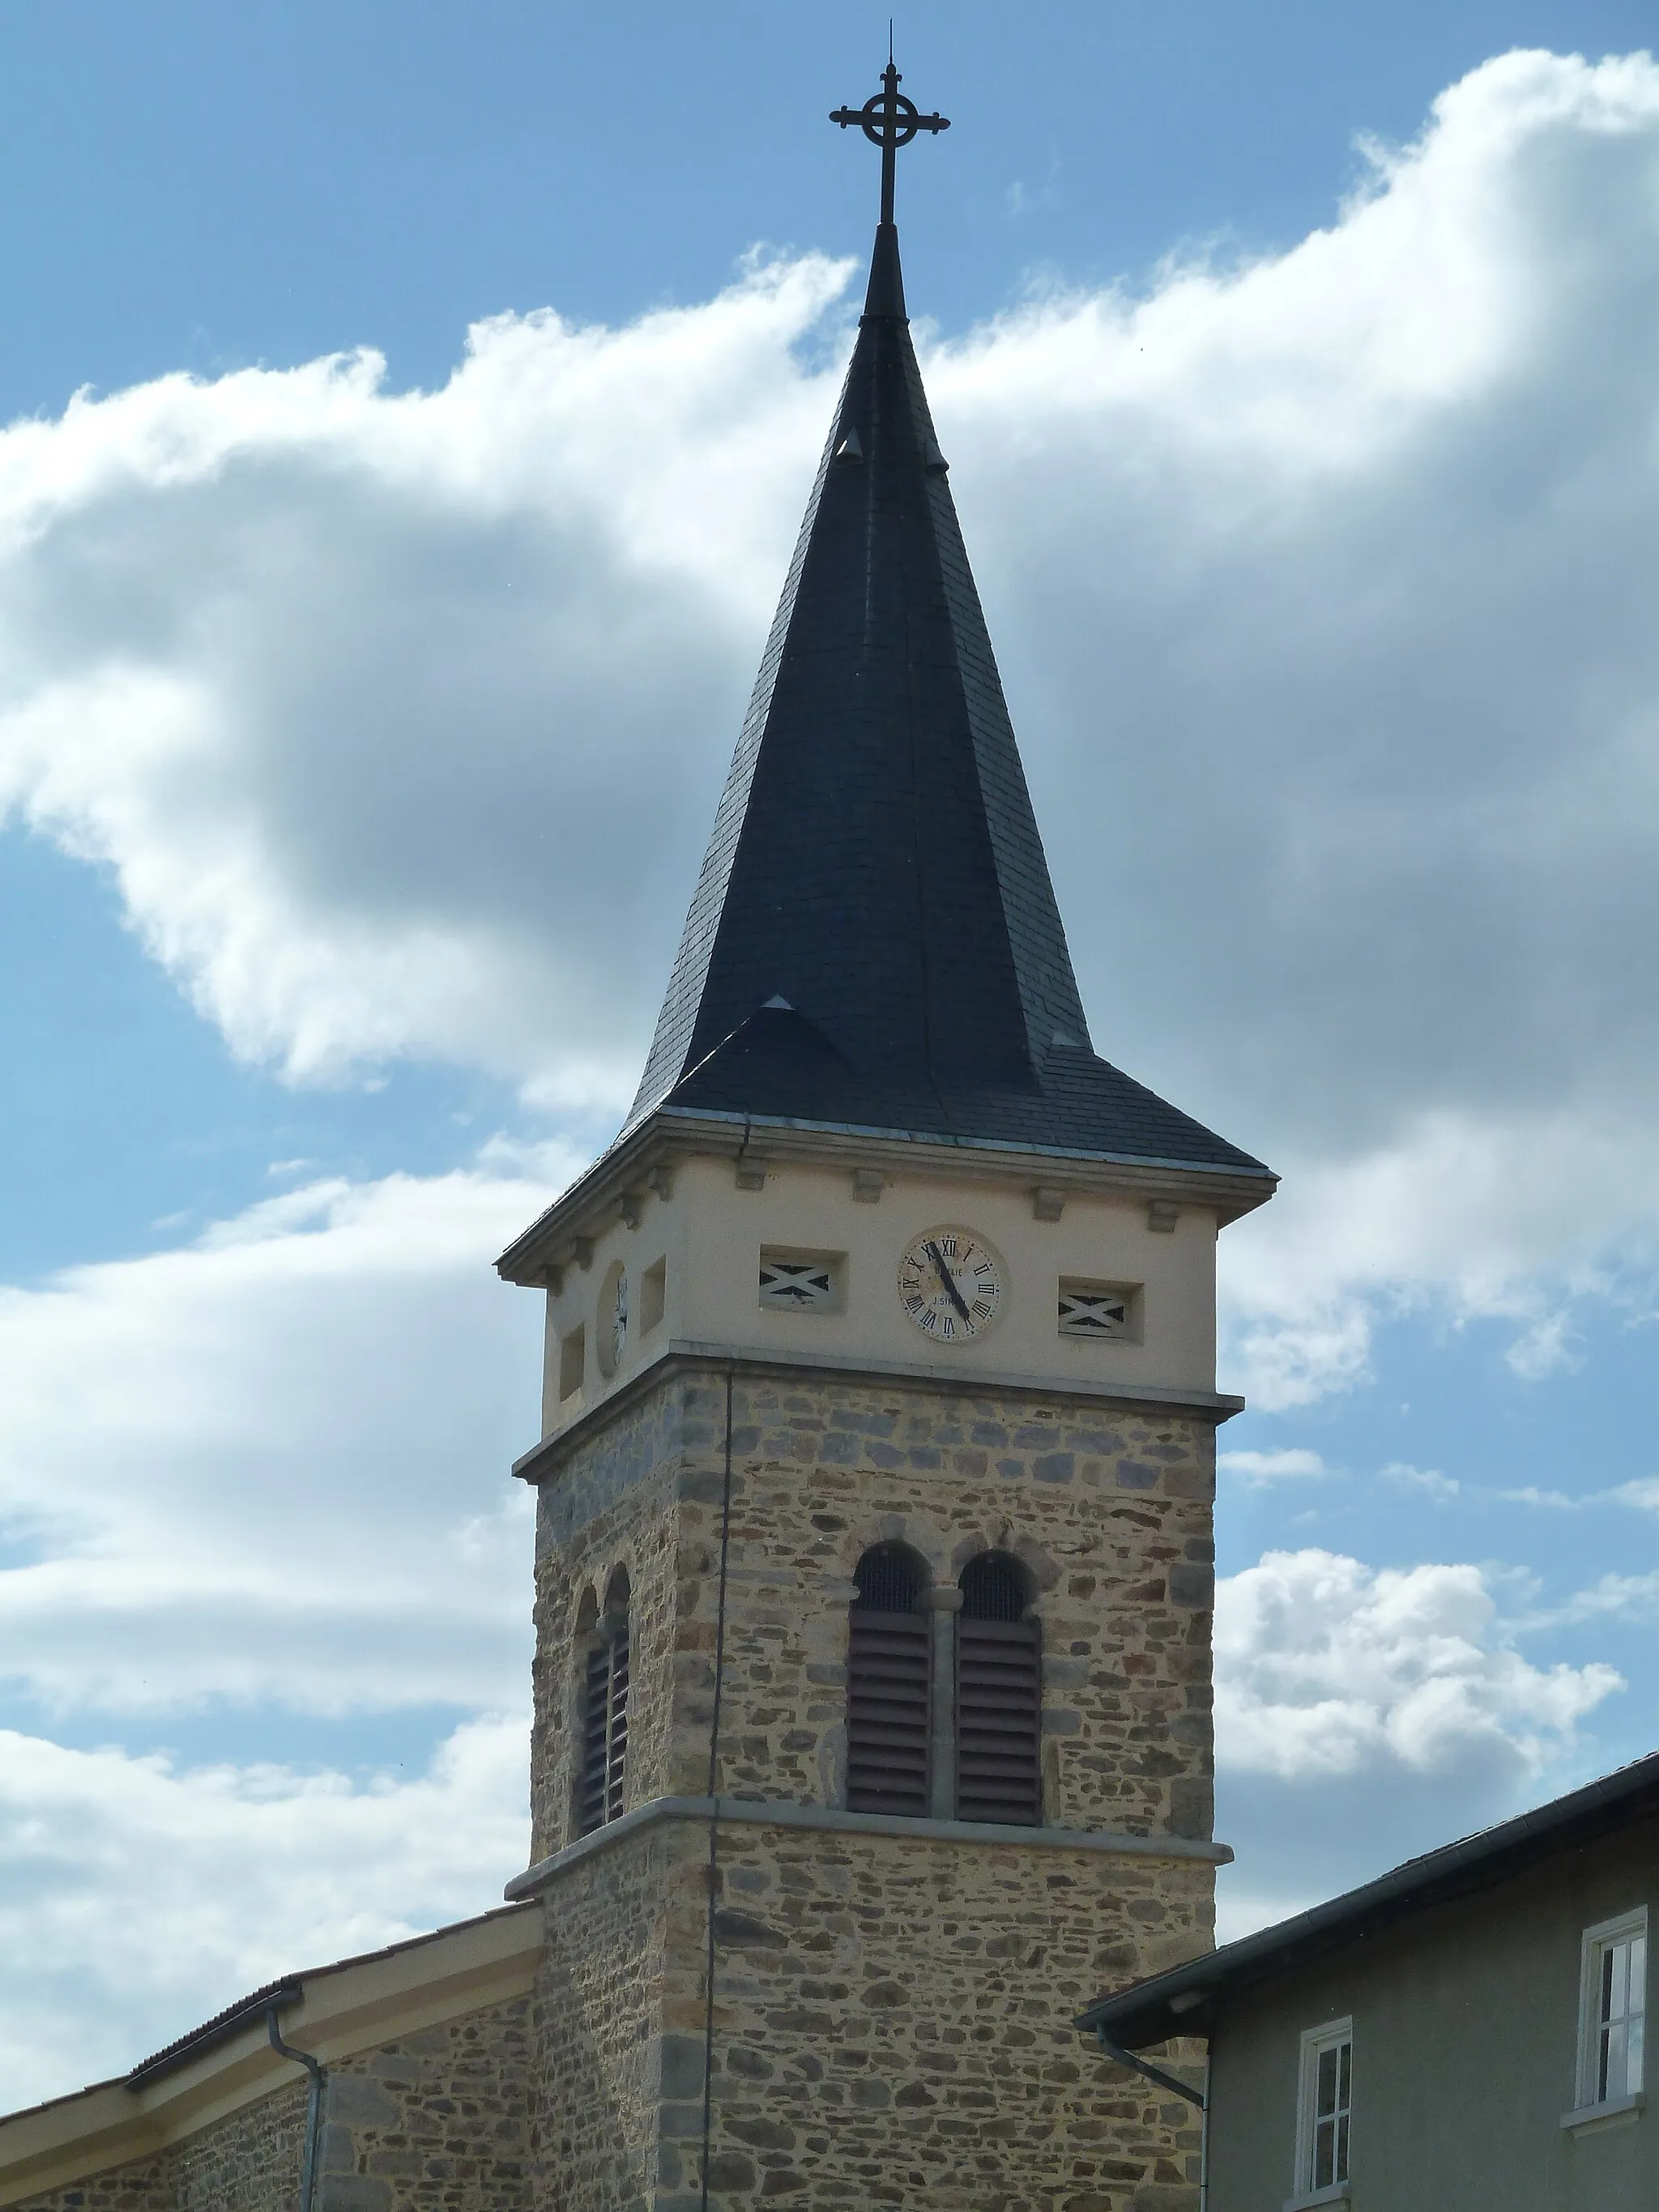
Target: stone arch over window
(888, 1684)
(999, 1717)
(603, 1755)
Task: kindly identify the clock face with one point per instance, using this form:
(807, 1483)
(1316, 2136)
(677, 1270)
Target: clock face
(610, 1320)
(951, 1284)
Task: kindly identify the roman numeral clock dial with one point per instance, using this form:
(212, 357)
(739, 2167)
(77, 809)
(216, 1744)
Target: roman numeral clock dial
(950, 1285)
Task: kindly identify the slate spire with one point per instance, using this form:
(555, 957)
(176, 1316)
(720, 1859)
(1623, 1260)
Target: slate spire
(874, 940)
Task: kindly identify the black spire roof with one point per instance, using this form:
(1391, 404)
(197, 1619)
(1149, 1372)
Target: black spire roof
(874, 941)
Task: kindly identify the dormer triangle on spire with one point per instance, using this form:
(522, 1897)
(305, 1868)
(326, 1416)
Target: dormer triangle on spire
(875, 862)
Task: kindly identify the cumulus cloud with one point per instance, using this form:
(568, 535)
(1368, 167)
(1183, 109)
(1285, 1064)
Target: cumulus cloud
(1363, 1714)
(1256, 1470)
(138, 1897)
(1327, 1666)
(389, 712)
(1424, 1481)
(398, 719)
(263, 1475)
(1642, 1495)
(273, 1464)
(1318, 583)
(399, 716)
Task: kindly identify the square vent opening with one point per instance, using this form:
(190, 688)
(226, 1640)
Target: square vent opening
(802, 1282)
(1109, 1312)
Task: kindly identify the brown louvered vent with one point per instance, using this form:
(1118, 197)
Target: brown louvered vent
(600, 1774)
(998, 1696)
(888, 1684)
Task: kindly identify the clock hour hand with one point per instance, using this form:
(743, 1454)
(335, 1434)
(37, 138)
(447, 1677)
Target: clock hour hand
(949, 1281)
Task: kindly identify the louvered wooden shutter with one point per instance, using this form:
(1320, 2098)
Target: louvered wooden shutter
(617, 1735)
(887, 1711)
(605, 1737)
(999, 1721)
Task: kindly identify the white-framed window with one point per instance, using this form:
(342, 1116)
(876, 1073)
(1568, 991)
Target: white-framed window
(1324, 2108)
(1612, 2009)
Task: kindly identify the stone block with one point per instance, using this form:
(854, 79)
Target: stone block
(353, 2192)
(1191, 1808)
(680, 2073)
(355, 2100)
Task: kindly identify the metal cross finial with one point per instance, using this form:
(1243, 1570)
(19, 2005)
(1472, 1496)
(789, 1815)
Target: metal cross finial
(889, 121)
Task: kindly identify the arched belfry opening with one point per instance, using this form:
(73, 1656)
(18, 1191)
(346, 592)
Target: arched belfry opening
(601, 1768)
(888, 1684)
(998, 1694)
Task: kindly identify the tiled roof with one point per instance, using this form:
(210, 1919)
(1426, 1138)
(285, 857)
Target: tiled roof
(778, 1066)
(875, 871)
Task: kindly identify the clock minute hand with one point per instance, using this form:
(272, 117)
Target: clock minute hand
(949, 1281)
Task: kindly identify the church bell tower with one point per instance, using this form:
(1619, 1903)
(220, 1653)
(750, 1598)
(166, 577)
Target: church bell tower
(872, 1725)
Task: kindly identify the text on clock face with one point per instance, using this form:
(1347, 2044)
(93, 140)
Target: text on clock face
(950, 1285)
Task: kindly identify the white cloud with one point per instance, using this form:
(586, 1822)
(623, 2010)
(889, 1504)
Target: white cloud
(387, 711)
(1631, 1597)
(1327, 1667)
(273, 1465)
(1318, 585)
(1255, 1470)
(1642, 1495)
(1365, 1715)
(138, 1897)
(1426, 1481)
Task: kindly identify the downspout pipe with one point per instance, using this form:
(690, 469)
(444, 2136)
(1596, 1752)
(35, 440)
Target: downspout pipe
(1156, 2075)
(313, 2107)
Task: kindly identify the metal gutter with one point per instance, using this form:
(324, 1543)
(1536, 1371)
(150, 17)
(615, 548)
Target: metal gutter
(223, 2025)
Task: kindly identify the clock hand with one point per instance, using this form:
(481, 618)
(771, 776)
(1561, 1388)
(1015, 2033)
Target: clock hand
(949, 1281)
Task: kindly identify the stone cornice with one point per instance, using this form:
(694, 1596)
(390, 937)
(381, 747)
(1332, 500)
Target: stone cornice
(543, 1460)
(825, 1820)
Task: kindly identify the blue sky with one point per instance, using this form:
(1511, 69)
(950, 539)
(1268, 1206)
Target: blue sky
(361, 725)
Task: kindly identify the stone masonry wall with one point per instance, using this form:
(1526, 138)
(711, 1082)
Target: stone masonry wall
(1109, 1510)
(891, 2026)
(145, 2184)
(440, 2121)
(247, 2162)
(612, 1922)
(890, 2016)
(614, 1507)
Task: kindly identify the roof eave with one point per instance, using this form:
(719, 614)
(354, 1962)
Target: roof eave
(615, 1187)
(1186, 2000)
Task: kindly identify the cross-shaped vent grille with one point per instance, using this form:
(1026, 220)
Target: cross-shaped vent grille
(1101, 1309)
(800, 1282)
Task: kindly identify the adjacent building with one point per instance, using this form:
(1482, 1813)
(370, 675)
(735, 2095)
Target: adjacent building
(1467, 2032)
